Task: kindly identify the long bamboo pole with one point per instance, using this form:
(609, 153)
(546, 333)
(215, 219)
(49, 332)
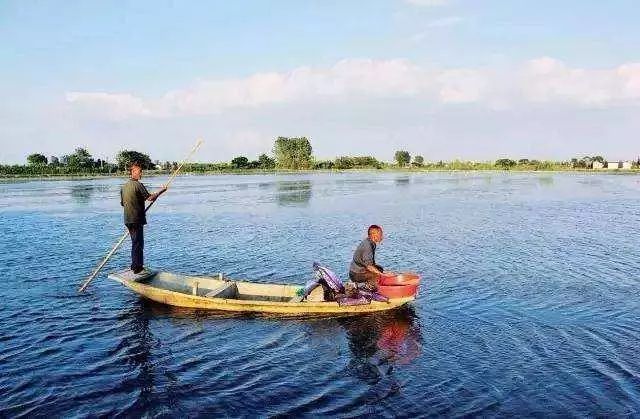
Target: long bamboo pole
(86, 282)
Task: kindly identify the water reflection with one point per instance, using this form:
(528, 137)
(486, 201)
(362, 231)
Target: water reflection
(139, 343)
(294, 192)
(354, 181)
(380, 341)
(82, 194)
(377, 343)
(546, 180)
(402, 181)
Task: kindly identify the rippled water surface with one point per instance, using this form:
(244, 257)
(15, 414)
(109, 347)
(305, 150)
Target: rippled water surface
(529, 303)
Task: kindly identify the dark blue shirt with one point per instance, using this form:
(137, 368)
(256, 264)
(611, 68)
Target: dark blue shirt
(365, 255)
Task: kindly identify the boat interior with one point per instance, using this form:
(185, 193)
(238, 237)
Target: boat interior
(220, 287)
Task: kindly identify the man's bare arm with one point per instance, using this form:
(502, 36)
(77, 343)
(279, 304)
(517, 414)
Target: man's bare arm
(373, 269)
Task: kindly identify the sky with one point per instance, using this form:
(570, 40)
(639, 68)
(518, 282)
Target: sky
(445, 79)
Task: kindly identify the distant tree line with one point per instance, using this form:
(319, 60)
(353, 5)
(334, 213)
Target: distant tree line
(77, 163)
(264, 162)
(289, 153)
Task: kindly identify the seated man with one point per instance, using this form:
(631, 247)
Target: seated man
(363, 268)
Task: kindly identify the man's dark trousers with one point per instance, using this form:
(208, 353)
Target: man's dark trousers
(366, 277)
(136, 231)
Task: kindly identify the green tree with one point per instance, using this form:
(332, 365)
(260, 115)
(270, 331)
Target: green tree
(402, 157)
(418, 161)
(36, 159)
(125, 157)
(343, 162)
(80, 159)
(505, 163)
(323, 164)
(365, 161)
(266, 162)
(293, 153)
(240, 162)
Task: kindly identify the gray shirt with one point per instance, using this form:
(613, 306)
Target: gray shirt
(365, 255)
(132, 197)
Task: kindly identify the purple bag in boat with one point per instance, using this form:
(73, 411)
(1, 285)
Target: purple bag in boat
(373, 295)
(330, 278)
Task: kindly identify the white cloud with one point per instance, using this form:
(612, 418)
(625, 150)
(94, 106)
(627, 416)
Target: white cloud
(546, 80)
(462, 86)
(112, 105)
(542, 80)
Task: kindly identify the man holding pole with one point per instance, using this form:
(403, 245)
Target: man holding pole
(132, 197)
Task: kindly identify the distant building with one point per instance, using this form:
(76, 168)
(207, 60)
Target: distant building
(54, 161)
(598, 165)
(619, 164)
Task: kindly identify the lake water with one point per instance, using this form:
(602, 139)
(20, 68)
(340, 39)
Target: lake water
(529, 303)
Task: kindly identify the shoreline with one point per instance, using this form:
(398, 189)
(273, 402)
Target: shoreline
(155, 173)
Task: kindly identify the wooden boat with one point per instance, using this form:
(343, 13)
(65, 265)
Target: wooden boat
(219, 293)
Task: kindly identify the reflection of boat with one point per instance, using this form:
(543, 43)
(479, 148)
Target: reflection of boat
(218, 293)
(378, 343)
(400, 338)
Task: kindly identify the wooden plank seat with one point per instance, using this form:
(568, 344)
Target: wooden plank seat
(227, 290)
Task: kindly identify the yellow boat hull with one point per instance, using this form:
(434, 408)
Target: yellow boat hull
(218, 293)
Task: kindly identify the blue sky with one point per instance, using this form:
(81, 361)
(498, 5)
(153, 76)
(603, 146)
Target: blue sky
(442, 78)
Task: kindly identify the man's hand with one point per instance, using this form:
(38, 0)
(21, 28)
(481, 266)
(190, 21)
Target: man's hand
(373, 269)
(162, 190)
(155, 195)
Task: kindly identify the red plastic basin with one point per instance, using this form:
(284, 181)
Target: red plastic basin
(406, 278)
(397, 291)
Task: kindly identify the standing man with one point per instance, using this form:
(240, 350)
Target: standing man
(132, 197)
(363, 268)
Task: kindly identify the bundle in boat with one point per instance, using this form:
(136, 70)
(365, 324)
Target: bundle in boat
(373, 295)
(335, 290)
(352, 301)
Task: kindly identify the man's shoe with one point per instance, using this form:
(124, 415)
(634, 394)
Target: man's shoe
(137, 270)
